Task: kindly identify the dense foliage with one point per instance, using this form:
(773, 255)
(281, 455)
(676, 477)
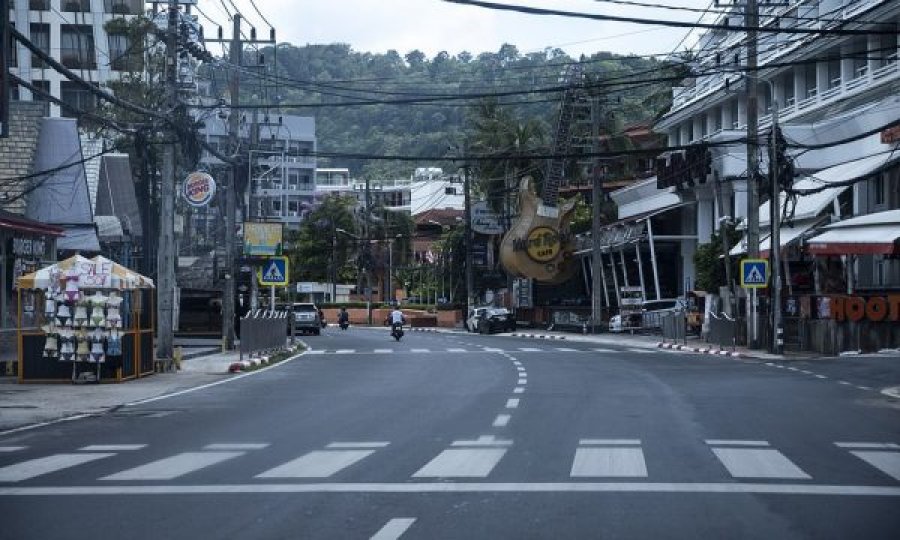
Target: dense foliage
(325, 76)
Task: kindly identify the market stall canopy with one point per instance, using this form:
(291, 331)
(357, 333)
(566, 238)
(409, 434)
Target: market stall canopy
(95, 273)
(871, 234)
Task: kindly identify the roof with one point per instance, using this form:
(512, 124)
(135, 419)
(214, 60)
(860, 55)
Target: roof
(116, 194)
(872, 234)
(8, 220)
(443, 216)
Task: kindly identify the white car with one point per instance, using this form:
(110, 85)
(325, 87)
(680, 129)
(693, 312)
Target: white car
(472, 319)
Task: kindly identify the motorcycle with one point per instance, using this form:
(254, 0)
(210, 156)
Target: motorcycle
(397, 331)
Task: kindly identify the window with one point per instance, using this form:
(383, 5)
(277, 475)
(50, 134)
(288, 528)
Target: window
(40, 36)
(735, 114)
(879, 270)
(78, 6)
(809, 79)
(77, 46)
(834, 72)
(121, 58)
(276, 206)
(11, 57)
(77, 96)
(39, 5)
(717, 119)
(787, 85)
(860, 57)
(119, 7)
(41, 85)
(878, 188)
(293, 179)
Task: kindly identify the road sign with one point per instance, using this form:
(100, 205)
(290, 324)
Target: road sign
(754, 273)
(274, 271)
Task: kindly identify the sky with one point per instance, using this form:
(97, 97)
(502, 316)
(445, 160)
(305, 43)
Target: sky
(432, 26)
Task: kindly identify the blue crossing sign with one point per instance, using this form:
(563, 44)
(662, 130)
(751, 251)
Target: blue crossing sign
(274, 271)
(754, 273)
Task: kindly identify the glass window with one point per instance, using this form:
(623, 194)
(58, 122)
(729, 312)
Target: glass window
(834, 72)
(41, 85)
(121, 57)
(12, 59)
(787, 84)
(77, 46)
(78, 6)
(120, 7)
(878, 188)
(78, 97)
(40, 36)
(809, 79)
(39, 5)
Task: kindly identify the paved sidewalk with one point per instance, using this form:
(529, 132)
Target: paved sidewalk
(27, 404)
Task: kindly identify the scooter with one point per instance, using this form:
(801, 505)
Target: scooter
(397, 331)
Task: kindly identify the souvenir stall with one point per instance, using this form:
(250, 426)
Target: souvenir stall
(95, 322)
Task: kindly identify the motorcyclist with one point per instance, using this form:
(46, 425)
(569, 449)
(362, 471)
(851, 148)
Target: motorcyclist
(397, 318)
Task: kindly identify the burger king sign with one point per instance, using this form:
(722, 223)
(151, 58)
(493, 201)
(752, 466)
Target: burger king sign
(199, 189)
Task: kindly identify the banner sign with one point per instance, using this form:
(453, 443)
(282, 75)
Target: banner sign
(262, 239)
(198, 189)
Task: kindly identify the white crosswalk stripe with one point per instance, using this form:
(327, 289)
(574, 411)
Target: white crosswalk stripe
(323, 463)
(419, 350)
(758, 463)
(886, 462)
(11, 448)
(40, 466)
(175, 466)
(609, 462)
(383, 351)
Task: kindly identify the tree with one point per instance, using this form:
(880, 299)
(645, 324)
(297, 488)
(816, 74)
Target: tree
(709, 261)
(311, 254)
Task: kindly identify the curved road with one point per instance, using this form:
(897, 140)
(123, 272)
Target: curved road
(466, 436)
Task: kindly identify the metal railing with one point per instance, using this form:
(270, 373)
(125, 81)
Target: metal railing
(263, 331)
(674, 326)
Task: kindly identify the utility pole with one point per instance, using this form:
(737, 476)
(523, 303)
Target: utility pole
(596, 202)
(235, 53)
(775, 236)
(166, 250)
(368, 259)
(470, 281)
(752, 16)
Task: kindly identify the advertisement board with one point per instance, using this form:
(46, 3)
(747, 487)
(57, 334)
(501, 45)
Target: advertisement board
(484, 220)
(198, 189)
(262, 239)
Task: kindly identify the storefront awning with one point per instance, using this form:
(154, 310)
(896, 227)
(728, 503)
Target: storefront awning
(871, 234)
(789, 235)
(811, 205)
(624, 231)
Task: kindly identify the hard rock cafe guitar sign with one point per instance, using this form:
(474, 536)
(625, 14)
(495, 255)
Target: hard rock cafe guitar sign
(539, 244)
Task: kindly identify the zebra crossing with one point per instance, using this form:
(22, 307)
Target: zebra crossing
(594, 458)
(461, 350)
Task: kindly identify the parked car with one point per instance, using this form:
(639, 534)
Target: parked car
(487, 320)
(306, 319)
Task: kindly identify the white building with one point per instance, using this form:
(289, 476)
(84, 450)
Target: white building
(831, 90)
(73, 33)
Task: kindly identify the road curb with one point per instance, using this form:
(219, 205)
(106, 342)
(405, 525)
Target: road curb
(536, 336)
(699, 350)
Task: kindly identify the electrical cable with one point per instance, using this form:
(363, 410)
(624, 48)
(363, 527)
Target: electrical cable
(663, 22)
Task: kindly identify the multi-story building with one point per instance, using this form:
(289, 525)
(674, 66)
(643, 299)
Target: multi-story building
(834, 94)
(282, 172)
(74, 33)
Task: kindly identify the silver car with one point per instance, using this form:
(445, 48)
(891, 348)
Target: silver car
(306, 319)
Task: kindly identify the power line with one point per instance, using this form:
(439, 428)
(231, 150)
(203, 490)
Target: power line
(663, 22)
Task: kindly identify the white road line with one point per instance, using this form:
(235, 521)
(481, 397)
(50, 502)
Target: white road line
(419, 350)
(522, 381)
(518, 390)
(462, 462)
(112, 447)
(345, 351)
(806, 372)
(456, 350)
(609, 442)
(484, 440)
(793, 368)
(529, 349)
(393, 529)
(565, 349)
(383, 351)
(845, 383)
(491, 349)
(758, 463)
(821, 377)
(45, 465)
(502, 420)
(886, 462)
(517, 363)
(11, 448)
(317, 351)
(520, 369)
(512, 403)
(864, 387)
(354, 445)
(735, 442)
(759, 488)
(317, 464)
(640, 351)
(603, 350)
(173, 467)
(236, 446)
(609, 462)
(868, 445)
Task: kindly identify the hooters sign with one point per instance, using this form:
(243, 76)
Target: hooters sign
(199, 189)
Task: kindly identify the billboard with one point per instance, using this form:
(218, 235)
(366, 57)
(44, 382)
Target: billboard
(262, 239)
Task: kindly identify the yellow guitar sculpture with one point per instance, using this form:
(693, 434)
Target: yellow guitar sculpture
(539, 244)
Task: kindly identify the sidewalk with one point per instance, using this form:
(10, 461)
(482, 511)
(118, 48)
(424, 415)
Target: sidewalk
(27, 404)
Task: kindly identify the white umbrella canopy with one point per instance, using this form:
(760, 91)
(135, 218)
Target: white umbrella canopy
(96, 273)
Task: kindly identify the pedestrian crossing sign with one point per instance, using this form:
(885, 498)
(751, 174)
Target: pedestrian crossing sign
(754, 273)
(274, 271)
